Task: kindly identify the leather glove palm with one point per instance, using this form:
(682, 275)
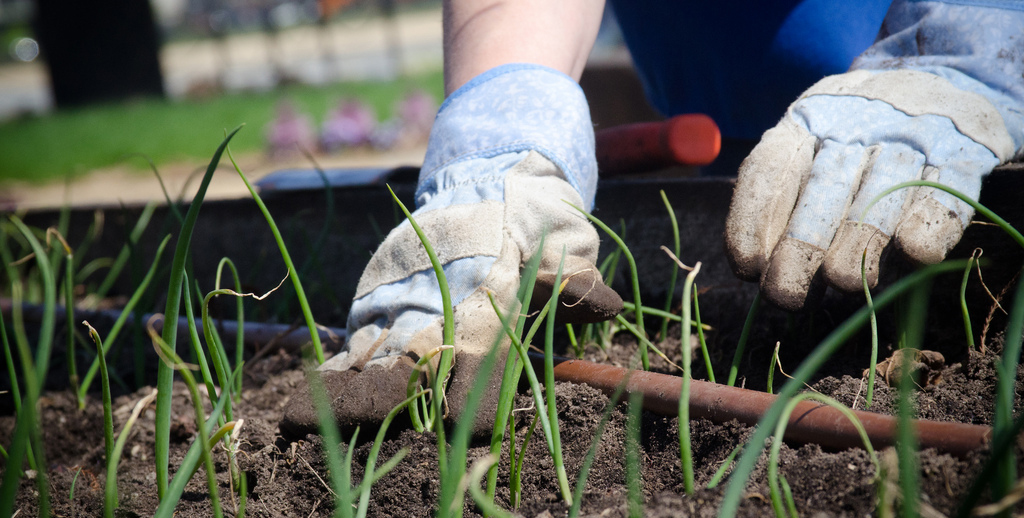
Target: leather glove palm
(484, 213)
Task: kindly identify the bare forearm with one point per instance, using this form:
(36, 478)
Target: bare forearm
(482, 34)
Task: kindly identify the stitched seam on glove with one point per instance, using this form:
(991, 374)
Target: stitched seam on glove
(921, 93)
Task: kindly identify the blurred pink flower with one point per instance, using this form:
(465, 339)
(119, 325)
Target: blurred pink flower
(414, 116)
(349, 125)
(289, 132)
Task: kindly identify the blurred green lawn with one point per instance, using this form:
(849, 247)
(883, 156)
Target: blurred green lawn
(77, 141)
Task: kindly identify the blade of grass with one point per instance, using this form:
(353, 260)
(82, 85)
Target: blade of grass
(628, 308)
(1007, 367)
(122, 257)
(371, 458)
(634, 483)
(167, 506)
(292, 272)
(810, 365)
(675, 272)
(516, 473)
(448, 338)
(108, 415)
(197, 405)
(129, 307)
(780, 430)
(975, 256)
(513, 371)
(549, 384)
(748, 324)
(685, 452)
(588, 461)
(69, 312)
(635, 280)
(700, 337)
(720, 472)
(484, 501)
(1005, 392)
(28, 426)
(339, 471)
(239, 315)
(165, 375)
(197, 345)
(451, 496)
(874, 329)
(21, 339)
(114, 457)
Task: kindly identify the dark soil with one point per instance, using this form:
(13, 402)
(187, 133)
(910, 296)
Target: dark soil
(289, 478)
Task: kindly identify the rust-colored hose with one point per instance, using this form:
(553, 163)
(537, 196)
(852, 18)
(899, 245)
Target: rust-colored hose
(810, 422)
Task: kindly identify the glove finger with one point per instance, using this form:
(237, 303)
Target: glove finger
(823, 204)
(583, 299)
(766, 191)
(935, 221)
(358, 398)
(869, 233)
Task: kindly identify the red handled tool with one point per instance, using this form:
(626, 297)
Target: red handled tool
(692, 139)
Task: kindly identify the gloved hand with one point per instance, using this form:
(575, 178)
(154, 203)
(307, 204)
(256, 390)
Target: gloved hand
(795, 217)
(501, 163)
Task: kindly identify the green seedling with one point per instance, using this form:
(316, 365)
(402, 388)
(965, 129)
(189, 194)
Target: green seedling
(685, 453)
(509, 385)
(634, 483)
(516, 471)
(771, 368)
(520, 348)
(71, 492)
(339, 471)
(700, 337)
(168, 356)
(122, 257)
(741, 346)
(69, 309)
(371, 474)
(292, 272)
(635, 278)
(1007, 367)
(974, 259)
(674, 273)
(165, 374)
(588, 461)
(93, 233)
(110, 492)
(108, 415)
(239, 314)
(197, 345)
(448, 334)
(191, 460)
(27, 429)
(780, 430)
(726, 464)
(810, 365)
(484, 501)
(874, 330)
(549, 386)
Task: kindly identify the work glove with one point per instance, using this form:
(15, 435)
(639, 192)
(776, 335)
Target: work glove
(797, 219)
(508, 153)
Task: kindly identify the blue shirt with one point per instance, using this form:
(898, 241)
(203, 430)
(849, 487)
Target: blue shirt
(742, 62)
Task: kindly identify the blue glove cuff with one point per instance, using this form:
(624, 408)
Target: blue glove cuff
(511, 109)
